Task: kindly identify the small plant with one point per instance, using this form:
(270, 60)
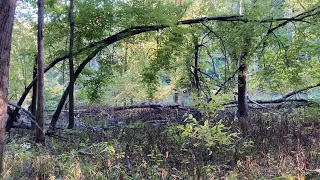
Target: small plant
(207, 134)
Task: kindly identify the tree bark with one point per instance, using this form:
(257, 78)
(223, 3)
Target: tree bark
(71, 70)
(7, 11)
(33, 106)
(196, 64)
(40, 83)
(243, 107)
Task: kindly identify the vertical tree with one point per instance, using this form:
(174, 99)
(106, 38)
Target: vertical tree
(71, 70)
(40, 82)
(6, 23)
(196, 63)
(33, 106)
(243, 107)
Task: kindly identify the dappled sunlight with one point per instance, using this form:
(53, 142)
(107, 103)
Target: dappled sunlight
(163, 89)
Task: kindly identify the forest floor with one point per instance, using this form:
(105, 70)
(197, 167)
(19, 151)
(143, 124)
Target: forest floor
(165, 143)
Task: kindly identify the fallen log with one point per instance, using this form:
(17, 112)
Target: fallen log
(154, 106)
(25, 112)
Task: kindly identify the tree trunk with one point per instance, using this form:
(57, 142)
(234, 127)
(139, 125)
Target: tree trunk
(40, 82)
(33, 105)
(176, 97)
(243, 107)
(63, 99)
(242, 89)
(196, 64)
(71, 70)
(6, 23)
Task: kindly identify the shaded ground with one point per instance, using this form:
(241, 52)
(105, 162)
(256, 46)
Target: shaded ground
(269, 145)
(106, 115)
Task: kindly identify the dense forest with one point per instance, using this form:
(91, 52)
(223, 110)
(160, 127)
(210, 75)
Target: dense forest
(160, 89)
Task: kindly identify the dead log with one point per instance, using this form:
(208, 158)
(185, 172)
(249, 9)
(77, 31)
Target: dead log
(25, 112)
(154, 106)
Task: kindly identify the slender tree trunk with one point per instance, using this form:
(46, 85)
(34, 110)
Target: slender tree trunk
(243, 108)
(7, 9)
(125, 65)
(196, 64)
(242, 89)
(40, 83)
(176, 97)
(63, 99)
(34, 94)
(71, 70)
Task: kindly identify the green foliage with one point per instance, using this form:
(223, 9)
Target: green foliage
(286, 58)
(207, 134)
(158, 64)
(148, 12)
(190, 150)
(22, 59)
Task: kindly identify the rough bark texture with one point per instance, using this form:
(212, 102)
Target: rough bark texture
(243, 107)
(242, 90)
(40, 83)
(71, 70)
(7, 9)
(33, 106)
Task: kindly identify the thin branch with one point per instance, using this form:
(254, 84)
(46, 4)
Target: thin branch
(213, 64)
(299, 91)
(226, 81)
(284, 98)
(219, 37)
(208, 75)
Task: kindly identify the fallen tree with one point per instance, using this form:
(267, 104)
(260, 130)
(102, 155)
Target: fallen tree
(284, 99)
(23, 111)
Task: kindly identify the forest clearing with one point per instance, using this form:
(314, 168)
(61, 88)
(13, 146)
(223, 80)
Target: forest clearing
(160, 89)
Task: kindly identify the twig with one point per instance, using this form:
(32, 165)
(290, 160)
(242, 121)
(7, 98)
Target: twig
(226, 81)
(208, 75)
(85, 153)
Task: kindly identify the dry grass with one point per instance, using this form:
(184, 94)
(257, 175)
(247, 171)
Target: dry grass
(269, 145)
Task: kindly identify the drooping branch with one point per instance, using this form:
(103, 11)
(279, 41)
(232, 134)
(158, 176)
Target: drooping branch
(299, 91)
(288, 95)
(226, 81)
(204, 73)
(284, 98)
(280, 101)
(66, 92)
(141, 29)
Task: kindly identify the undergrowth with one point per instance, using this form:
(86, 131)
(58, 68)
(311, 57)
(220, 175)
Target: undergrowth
(264, 146)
